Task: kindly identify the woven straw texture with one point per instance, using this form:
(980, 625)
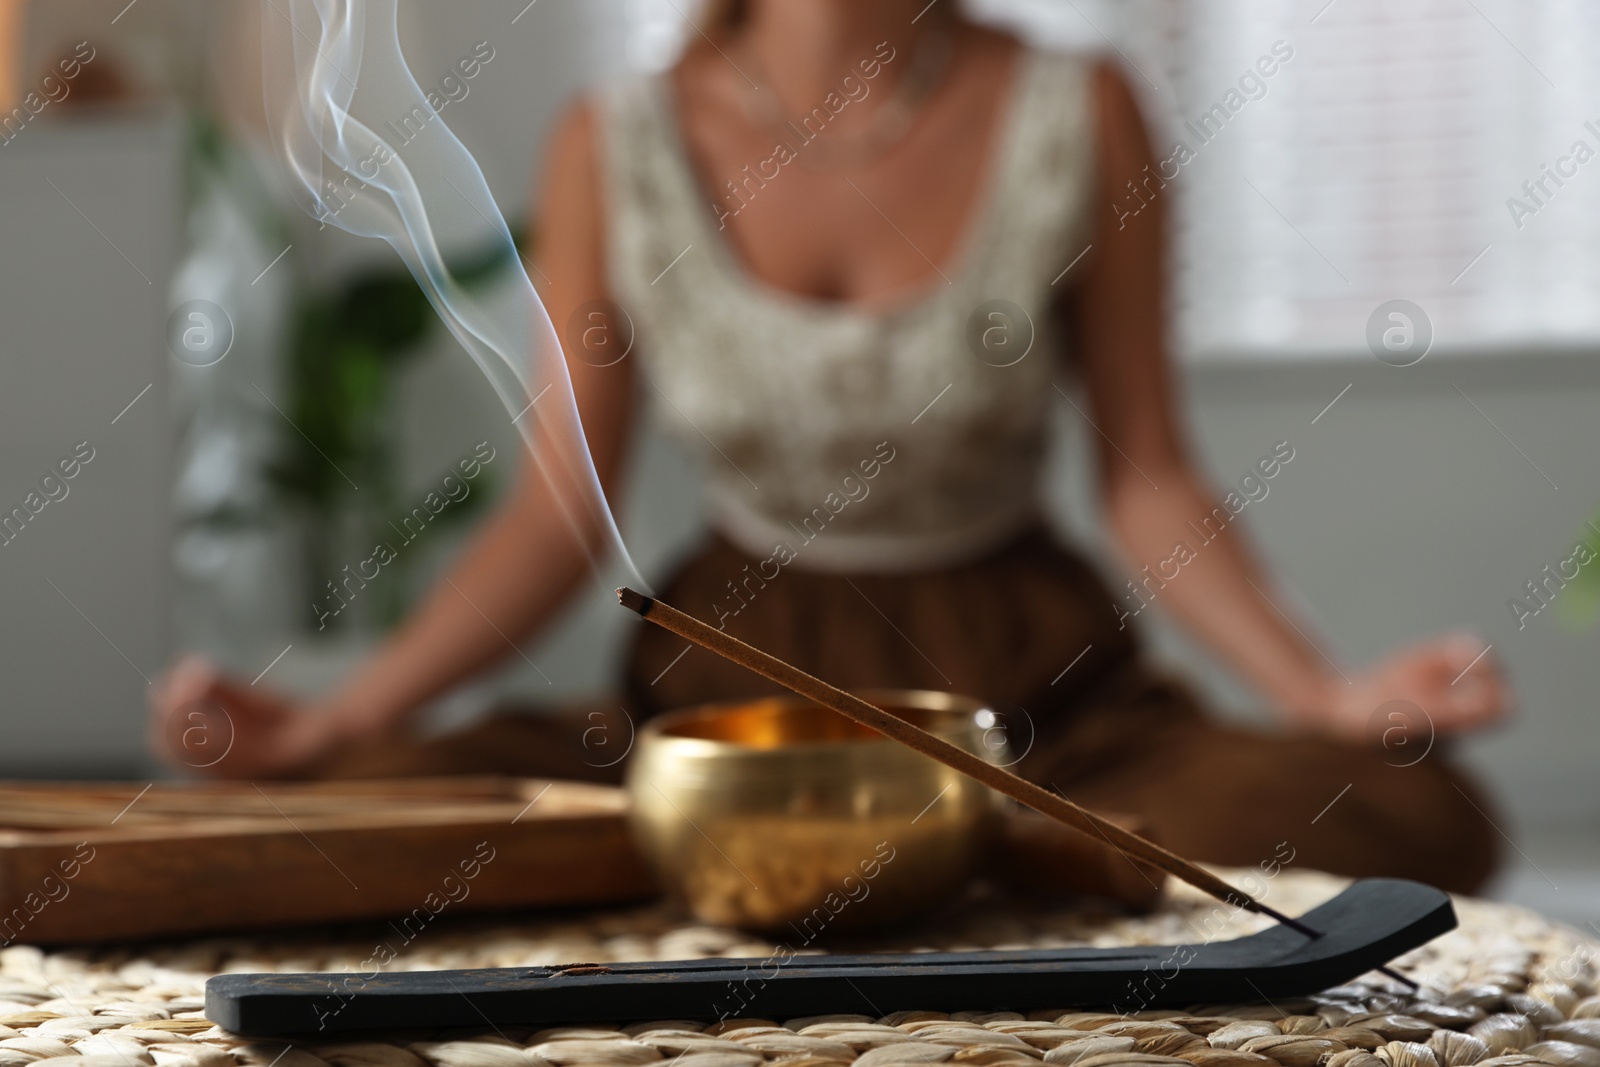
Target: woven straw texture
(1508, 989)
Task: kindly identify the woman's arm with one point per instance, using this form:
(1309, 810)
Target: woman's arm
(1155, 500)
(513, 577)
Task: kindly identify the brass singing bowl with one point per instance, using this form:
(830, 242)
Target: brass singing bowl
(781, 815)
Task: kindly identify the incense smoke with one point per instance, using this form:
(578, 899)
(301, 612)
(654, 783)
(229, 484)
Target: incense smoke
(335, 77)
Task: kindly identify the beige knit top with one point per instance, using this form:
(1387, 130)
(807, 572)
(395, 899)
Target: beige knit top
(857, 439)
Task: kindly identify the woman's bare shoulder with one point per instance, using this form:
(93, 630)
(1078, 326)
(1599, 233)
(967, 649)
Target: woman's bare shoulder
(572, 138)
(1115, 105)
(567, 199)
(1121, 137)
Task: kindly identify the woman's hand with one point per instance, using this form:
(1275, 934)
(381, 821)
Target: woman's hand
(208, 723)
(1453, 680)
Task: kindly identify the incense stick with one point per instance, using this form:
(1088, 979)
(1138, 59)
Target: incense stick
(997, 778)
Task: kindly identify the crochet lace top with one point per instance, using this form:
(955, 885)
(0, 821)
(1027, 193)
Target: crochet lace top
(844, 438)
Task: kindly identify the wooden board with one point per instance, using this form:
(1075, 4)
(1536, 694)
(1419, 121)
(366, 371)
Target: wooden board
(96, 862)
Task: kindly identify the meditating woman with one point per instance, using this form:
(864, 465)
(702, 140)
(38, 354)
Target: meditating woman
(860, 243)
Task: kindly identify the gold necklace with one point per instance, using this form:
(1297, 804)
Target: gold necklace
(930, 59)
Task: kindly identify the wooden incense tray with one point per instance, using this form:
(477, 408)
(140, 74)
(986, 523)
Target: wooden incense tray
(83, 862)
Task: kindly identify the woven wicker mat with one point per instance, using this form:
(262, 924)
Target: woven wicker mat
(1506, 990)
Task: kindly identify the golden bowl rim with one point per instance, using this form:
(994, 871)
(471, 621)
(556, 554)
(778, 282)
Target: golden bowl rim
(654, 730)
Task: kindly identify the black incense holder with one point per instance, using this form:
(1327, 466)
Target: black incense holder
(1370, 923)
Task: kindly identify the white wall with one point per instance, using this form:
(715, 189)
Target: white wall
(86, 583)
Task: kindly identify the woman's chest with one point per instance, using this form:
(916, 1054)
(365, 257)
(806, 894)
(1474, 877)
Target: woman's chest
(803, 213)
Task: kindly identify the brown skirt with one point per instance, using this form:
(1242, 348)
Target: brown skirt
(1032, 630)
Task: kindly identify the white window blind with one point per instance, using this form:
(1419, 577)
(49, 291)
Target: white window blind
(1385, 160)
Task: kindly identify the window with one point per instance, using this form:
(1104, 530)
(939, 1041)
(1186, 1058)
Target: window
(1445, 152)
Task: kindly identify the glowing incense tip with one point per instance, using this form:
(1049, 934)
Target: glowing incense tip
(634, 601)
